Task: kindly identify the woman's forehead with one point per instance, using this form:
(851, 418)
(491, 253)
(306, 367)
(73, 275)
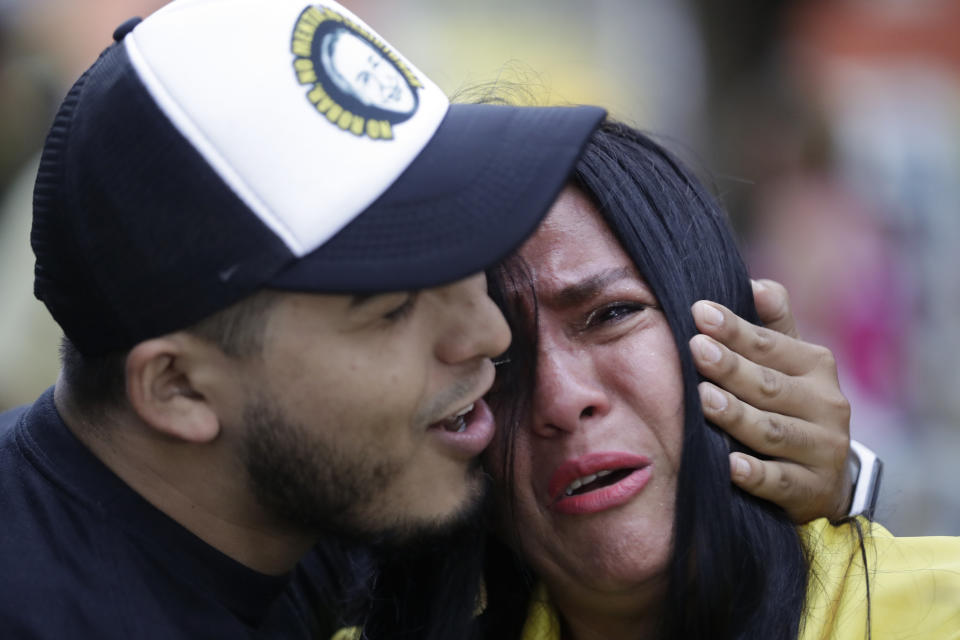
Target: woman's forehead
(574, 251)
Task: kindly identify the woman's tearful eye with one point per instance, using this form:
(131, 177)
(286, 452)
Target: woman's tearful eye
(613, 313)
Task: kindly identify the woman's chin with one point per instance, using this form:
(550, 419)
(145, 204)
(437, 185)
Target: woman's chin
(611, 557)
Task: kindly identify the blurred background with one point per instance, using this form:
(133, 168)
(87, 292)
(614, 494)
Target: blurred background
(829, 129)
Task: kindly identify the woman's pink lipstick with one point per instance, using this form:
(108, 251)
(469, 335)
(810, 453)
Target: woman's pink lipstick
(636, 467)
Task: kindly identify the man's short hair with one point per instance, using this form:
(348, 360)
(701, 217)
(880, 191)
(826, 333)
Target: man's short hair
(98, 382)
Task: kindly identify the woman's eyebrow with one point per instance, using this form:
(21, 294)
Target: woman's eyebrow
(588, 288)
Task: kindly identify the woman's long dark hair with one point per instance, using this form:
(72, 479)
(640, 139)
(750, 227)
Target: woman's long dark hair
(738, 569)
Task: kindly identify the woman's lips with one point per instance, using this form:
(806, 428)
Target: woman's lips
(604, 497)
(473, 437)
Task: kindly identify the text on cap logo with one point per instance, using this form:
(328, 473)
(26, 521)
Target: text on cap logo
(356, 80)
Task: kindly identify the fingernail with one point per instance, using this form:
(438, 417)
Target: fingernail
(709, 314)
(707, 349)
(712, 398)
(757, 285)
(741, 468)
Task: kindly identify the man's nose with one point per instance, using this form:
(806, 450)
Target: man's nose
(476, 326)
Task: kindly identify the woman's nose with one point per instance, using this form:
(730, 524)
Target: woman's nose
(568, 392)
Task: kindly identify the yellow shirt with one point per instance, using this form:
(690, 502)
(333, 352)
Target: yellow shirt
(914, 585)
(914, 588)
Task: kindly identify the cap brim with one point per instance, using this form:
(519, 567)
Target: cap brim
(474, 194)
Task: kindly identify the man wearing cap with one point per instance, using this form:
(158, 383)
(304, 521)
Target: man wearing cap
(276, 321)
(275, 314)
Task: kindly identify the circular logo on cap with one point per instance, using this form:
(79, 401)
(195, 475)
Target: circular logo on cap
(356, 80)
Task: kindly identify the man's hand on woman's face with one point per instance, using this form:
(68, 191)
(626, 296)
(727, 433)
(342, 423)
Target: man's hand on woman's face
(781, 397)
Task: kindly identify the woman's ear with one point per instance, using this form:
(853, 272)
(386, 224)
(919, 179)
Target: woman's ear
(163, 394)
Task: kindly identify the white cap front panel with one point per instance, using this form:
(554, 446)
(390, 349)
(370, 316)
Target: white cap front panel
(301, 108)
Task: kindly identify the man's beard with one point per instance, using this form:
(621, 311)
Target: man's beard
(308, 483)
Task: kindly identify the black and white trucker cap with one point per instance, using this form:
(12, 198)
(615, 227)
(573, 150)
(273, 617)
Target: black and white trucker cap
(222, 146)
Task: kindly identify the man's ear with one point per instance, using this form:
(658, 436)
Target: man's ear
(163, 394)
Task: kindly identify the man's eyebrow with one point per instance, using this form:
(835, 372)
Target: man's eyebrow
(588, 288)
(358, 299)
